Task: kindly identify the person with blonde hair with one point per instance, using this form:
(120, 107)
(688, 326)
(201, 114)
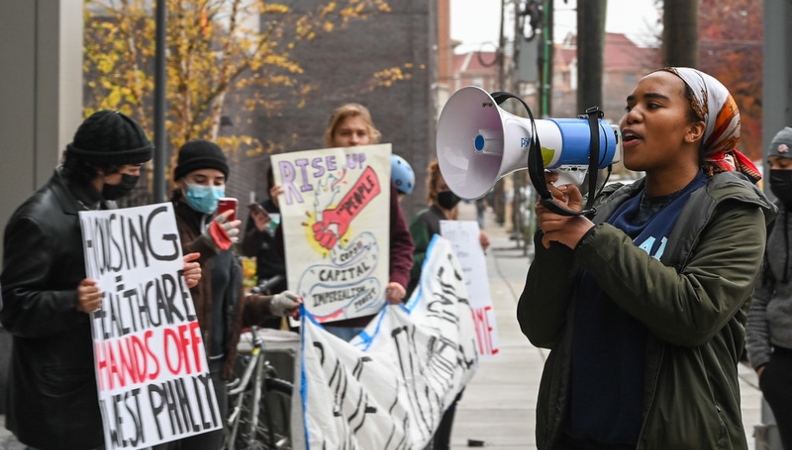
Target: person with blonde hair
(351, 125)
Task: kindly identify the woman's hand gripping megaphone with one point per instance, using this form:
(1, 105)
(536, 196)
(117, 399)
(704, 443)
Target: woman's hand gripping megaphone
(564, 229)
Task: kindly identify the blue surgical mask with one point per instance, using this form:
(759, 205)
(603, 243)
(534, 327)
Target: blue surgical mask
(204, 198)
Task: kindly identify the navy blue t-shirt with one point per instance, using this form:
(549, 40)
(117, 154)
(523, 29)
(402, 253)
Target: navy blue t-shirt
(608, 344)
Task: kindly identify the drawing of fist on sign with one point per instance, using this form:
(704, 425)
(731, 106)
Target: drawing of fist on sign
(331, 224)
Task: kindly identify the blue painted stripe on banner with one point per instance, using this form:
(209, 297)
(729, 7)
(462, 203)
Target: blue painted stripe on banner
(304, 314)
(369, 339)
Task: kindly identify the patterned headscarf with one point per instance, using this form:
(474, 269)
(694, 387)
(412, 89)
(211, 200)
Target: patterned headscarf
(715, 105)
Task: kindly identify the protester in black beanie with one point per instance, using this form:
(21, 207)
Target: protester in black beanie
(103, 144)
(221, 307)
(52, 390)
(200, 154)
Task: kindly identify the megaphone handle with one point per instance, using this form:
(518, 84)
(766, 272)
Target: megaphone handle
(576, 177)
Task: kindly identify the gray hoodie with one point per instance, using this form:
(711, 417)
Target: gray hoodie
(770, 317)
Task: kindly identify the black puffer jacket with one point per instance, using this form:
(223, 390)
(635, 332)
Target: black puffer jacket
(52, 397)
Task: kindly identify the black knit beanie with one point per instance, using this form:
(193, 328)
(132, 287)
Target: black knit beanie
(200, 154)
(111, 138)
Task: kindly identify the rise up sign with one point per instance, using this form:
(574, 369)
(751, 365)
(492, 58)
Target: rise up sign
(335, 212)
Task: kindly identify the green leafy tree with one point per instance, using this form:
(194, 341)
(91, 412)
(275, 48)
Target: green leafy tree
(214, 47)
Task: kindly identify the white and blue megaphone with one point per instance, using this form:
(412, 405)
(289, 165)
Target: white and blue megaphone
(478, 143)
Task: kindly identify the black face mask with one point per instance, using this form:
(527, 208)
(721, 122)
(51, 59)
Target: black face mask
(447, 199)
(116, 191)
(781, 185)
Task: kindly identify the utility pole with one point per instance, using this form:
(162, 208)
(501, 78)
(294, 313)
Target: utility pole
(546, 63)
(160, 141)
(680, 33)
(498, 191)
(776, 74)
(590, 52)
(502, 49)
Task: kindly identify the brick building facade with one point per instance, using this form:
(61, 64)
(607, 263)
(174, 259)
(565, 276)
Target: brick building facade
(340, 66)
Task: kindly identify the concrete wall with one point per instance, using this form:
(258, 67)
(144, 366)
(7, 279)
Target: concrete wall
(340, 65)
(777, 72)
(40, 103)
(40, 92)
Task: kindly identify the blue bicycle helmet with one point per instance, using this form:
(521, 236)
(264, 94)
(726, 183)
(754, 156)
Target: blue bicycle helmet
(402, 174)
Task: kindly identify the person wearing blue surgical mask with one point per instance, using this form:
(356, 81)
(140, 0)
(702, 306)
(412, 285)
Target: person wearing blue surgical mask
(221, 307)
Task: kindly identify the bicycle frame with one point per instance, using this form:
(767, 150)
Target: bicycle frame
(238, 386)
(259, 372)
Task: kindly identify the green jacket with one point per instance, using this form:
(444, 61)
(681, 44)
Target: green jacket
(423, 227)
(693, 302)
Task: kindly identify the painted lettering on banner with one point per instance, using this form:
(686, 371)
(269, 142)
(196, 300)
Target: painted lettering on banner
(335, 213)
(464, 238)
(388, 388)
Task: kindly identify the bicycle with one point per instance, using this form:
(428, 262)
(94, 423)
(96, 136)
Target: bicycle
(259, 401)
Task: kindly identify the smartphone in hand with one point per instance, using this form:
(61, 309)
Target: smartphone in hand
(257, 208)
(263, 220)
(225, 204)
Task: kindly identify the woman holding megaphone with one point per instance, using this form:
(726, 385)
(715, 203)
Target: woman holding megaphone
(643, 305)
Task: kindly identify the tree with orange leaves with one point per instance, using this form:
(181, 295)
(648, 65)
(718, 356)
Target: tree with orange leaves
(215, 47)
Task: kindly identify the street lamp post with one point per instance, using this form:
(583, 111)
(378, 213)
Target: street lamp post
(160, 141)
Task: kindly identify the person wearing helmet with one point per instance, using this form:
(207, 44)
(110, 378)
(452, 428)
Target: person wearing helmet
(402, 175)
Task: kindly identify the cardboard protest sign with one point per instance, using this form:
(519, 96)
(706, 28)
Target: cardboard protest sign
(388, 388)
(464, 237)
(151, 370)
(335, 214)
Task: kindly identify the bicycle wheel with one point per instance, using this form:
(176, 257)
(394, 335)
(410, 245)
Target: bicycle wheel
(240, 412)
(274, 422)
(273, 430)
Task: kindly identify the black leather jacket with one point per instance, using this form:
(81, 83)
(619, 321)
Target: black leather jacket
(52, 397)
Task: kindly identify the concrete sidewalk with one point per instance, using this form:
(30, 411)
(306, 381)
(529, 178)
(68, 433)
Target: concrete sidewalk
(498, 406)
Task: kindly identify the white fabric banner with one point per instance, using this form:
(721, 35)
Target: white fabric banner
(388, 387)
(151, 372)
(335, 212)
(464, 237)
